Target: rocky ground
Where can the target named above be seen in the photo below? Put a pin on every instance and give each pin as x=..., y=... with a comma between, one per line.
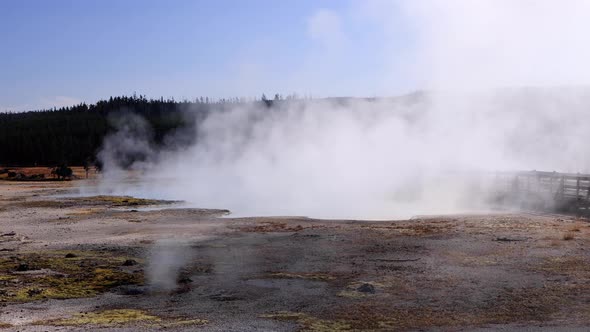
x=109, y=263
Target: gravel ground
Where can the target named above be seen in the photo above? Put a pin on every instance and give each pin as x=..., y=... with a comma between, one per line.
x=202, y=272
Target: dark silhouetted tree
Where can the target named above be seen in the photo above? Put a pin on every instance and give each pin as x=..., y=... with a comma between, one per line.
x=62, y=172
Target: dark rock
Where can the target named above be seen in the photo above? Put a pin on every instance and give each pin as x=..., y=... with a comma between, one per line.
x=22, y=267
x=506, y=239
x=224, y=297
x=129, y=262
x=132, y=290
x=366, y=288
x=185, y=280
x=70, y=255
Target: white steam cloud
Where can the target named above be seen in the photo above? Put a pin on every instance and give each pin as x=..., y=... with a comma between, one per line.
x=506, y=82
x=167, y=258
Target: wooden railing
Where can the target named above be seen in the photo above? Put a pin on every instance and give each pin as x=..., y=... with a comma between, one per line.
x=549, y=191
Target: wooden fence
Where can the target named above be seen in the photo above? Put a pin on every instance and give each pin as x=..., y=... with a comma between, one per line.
x=547, y=191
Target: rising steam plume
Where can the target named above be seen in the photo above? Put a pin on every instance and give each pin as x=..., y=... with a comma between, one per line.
x=505, y=86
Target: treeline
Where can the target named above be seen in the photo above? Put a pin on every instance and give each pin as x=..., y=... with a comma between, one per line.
x=73, y=135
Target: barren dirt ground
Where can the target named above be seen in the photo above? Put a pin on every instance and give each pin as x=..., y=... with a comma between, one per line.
x=85, y=264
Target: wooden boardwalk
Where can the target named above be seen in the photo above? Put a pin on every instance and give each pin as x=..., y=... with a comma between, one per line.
x=545, y=191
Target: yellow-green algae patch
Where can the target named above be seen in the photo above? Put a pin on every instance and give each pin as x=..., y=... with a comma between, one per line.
x=5, y=325
x=310, y=323
x=302, y=275
x=28, y=277
x=86, y=211
x=126, y=200
x=112, y=201
x=121, y=317
x=108, y=317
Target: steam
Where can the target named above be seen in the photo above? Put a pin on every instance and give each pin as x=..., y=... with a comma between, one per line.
x=505, y=91
x=167, y=258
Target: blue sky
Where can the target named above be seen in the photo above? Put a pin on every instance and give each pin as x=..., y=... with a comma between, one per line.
x=58, y=52
x=61, y=52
